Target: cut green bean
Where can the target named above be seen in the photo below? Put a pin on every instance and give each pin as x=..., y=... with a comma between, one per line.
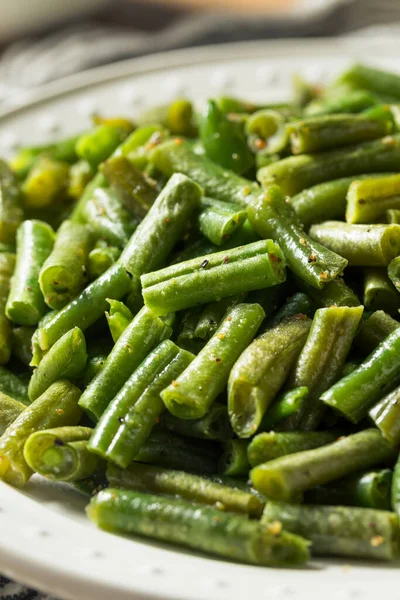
x=25, y=304
x=212, y=314
x=127, y=422
x=379, y=291
x=176, y=116
x=11, y=213
x=361, y=245
x=368, y=489
x=118, y=318
x=101, y=259
x=25, y=159
x=61, y=453
x=394, y=272
x=335, y=293
x=288, y=404
x=322, y=358
x=371, y=79
x=260, y=372
x=347, y=101
x=87, y=308
x=267, y=132
x=46, y=184
x=196, y=526
x=62, y=276
x=396, y=488
x=287, y=476
x=219, y=220
x=13, y=386
x=268, y=446
x=192, y=393
x=369, y=199
x=176, y=156
x=233, y=460
x=374, y=330
x=97, y=144
x=214, y=276
x=379, y=374
x=106, y=216
x=339, y=530
x=143, y=333
x=272, y=216
x=65, y=360
x=7, y=264
x=386, y=416
x=296, y=173
x=168, y=482
x=80, y=174
x=10, y=409
x=214, y=425
x=58, y=406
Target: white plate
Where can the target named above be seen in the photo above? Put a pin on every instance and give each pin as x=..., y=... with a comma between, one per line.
x=45, y=539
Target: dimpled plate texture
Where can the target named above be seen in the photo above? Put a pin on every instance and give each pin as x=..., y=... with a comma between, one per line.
x=46, y=540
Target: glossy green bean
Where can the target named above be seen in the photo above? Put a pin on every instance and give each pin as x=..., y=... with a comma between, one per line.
x=192, y=393
x=369, y=199
x=386, y=416
x=287, y=476
x=272, y=216
x=361, y=245
x=58, y=406
x=296, y=173
x=87, y=308
x=288, y=404
x=261, y=370
x=267, y=132
x=25, y=304
x=101, y=259
x=379, y=374
x=143, y=333
x=219, y=220
x=97, y=145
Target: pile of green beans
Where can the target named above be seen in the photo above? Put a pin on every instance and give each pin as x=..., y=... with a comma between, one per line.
x=199, y=312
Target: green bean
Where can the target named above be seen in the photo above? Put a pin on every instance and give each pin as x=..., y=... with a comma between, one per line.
x=80, y=174
x=325, y=201
x=25, y=304
x=196, y=526
x=261, y=370
x=136, y=192
x=61, y=453
x=143, y=333
x=176, y=116
x=379, y=291
x=285, y=477
x=321, y=360
x=127, y=422
x=265, y=447
x=378, y=375
x=10, y=409
x=335, y=293
x=212, y=314
x=316, y=134
x=296, y=173
x=11, y=214
x=192, y=393
x=233, y=460
x=339, y=530
x=371, y=79
x=176, y=156
x=101, y=259
x=347, y=101
x=272, y=216
x=385, y=414
x=97, y=145
x=25, y=159
x=219, y=220
x=21, y=343
x=374, y=330
x=56, y=407
x=396, y=488
x=65, y=360
x=367, y=489
x=13, y=386
x=361, y=245
x=214, y=276
x=87, y=308
x=62, y=276
x=267, y=132
x=393, y=216
x=168, y=482
x=118, y=317
x=108, y=218
x=161, y=228
x=394, y=271
x=177, y=452
x=369, y=199
x=7, y=263
x=213, y=426
x=94, y=365
x=297, y=304
x=46, y=183
x=37, y=352
x=288, y=404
